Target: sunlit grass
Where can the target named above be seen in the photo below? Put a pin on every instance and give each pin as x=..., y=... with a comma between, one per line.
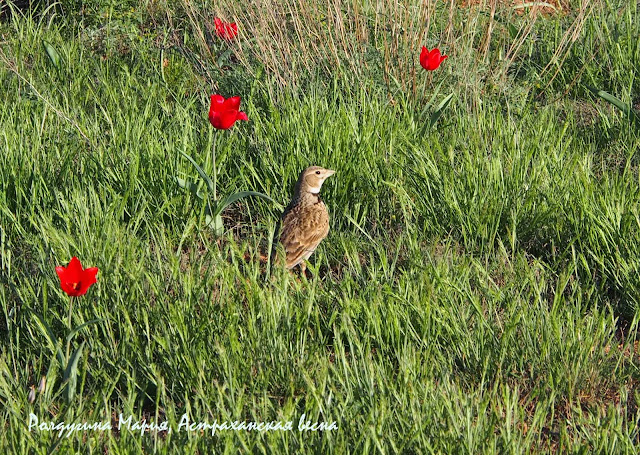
x=477, y=293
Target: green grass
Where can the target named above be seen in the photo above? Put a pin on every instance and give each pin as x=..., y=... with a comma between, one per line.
x=479, y=291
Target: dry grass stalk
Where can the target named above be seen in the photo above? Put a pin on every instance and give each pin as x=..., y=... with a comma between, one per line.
x=298, y=39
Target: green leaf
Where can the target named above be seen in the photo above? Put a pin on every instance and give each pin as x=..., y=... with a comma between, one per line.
x=71, y=373
x=437, y=113
x=626, y=108
x=201, y=171
x=192, y=187
x=80, y=327
x=223, y=59
x=52, y=53
x=212, y=208
x=240, y=195
x=434, y=93
x=215, y=222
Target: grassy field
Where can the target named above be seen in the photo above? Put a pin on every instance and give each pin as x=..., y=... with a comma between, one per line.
x=479, y=290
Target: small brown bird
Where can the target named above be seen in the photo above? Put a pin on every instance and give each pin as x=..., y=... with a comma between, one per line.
x=305, y=221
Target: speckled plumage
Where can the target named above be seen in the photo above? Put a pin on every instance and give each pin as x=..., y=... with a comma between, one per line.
x=305, y=221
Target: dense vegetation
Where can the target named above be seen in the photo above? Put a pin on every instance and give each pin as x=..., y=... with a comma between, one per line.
x=479, y=291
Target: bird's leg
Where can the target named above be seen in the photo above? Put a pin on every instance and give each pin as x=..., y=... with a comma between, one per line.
x=303, y=268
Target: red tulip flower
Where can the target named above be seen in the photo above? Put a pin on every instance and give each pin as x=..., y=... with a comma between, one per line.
x=74, y=280
x=226, y=30
x=223, y=113
x=430, y=60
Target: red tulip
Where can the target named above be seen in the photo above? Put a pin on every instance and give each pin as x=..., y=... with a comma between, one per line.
x=74, y=280
x=223, y=113
x=226, y=30
x=430, y=60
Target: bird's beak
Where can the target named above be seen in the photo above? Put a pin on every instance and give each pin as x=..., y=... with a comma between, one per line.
x=330, y=172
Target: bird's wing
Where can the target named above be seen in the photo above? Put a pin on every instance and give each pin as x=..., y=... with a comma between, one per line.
x=302, y=231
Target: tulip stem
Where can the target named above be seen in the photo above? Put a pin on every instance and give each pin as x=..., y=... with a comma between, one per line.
x=70, y=308
x=215, y=169
x=69, y=324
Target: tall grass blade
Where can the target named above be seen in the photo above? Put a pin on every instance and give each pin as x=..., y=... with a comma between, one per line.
x=82, y=326
x=48, y=333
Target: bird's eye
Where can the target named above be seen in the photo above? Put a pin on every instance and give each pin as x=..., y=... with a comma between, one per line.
x=318, y=172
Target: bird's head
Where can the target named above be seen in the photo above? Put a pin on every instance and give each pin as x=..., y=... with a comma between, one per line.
x=312, y=178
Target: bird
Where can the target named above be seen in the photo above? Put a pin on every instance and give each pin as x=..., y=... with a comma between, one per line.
x=305, y=221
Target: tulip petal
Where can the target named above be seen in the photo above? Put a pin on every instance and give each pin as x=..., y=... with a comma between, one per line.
x=424, y=57
x=232, y=103
x=75, y=281
x=228, y=118
x=231, y=30
x=223, y=113
x=214, y=119
x=225, y=30
x=60, y=271
x=88, y=279
x=68, y=289
x=217, y=101
x=217, y=105
x=74, y=270
x=90, y=274
x=431, y=59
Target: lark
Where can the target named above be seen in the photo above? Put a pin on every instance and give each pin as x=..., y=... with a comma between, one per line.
x=305, y=221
